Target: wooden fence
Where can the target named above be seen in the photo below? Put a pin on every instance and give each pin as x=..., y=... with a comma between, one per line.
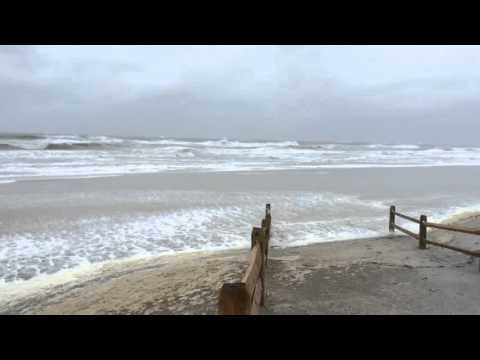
x=422, y=232
x=247, y=296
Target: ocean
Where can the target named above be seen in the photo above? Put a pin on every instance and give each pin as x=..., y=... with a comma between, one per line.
x=33, y=156
x=72, y=202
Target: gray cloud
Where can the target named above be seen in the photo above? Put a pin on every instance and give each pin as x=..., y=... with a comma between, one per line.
x=17, y=56
x=273, y=92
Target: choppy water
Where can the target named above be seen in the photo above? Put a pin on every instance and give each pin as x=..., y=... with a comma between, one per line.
x=27, y=156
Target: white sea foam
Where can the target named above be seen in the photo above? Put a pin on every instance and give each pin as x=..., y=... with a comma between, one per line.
x=454, y=212
x=24, y=255
x=239, y=144
x=69, y=244
x=398, y=147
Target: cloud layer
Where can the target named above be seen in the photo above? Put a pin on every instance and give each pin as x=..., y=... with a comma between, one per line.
x=406, y=94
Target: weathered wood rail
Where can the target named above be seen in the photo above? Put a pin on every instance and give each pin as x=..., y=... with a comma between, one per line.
x=248, y=296
x=422, y=232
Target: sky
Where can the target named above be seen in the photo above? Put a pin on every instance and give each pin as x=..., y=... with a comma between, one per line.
x=384, y=94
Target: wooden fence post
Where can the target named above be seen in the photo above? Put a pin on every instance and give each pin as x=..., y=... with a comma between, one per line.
x=268, y=217
x=422, y=240
x=259, y=236
x=253, y=238
x=247, y=296
x=268, y=225
x=234, y=300
x=391, y=224
x=264, y=226
x=262, y=280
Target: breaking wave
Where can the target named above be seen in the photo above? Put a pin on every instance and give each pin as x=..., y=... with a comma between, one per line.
x=9, y=147
x=22, y=137
x=77, y=146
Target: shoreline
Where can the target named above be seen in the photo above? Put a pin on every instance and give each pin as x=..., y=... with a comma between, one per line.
x=347, y=168
x=46, y=285
x=41, y=282
x=297, y=278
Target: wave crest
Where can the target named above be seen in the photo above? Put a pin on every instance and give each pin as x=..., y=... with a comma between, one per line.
x=10, y=147
x=77, y=146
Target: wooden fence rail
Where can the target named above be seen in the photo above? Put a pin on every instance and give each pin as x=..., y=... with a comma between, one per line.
x=247, y=296
x=422, y=232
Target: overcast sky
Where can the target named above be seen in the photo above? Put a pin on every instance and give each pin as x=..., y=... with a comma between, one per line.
x=395, y=94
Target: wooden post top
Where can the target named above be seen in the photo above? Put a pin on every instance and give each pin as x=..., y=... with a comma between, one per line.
x=234, y=300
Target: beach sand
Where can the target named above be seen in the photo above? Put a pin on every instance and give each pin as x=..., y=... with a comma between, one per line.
x=386, y=275
x=377, y=276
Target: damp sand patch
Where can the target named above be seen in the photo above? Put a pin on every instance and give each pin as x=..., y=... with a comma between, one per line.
x=175, y=284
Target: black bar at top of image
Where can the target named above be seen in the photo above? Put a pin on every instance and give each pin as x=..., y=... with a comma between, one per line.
x=239, y=25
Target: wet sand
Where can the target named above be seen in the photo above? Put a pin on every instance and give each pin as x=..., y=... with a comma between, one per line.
x=383, y=276
x=179, y=284
x=386, y=275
